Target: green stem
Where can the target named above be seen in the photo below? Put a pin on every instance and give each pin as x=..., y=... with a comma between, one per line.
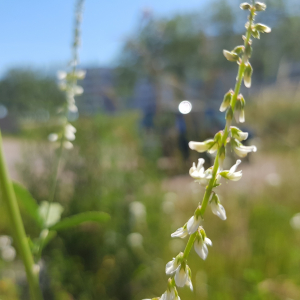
x=211, y=183
x=18, y=228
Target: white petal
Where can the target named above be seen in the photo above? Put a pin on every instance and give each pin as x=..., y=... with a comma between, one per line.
x=201, y=161
x=235, y=176
x=180, y=232
x=214, y=148
x=68, y=145
x=61, y=75
x=52, y=137
x=171, y=266
x=218, y=210
x=207, y=241
x=199, y=248
x=180, y=277
x=234, y=167
x=242, y=116
x=199, y=146
x=193, y=224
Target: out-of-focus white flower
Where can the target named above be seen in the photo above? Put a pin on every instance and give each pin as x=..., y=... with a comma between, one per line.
x=295, y=221
x=181, y=232
x=193, y=224
x=80, y=74
x=72, y=108
x=78, y=90
x=68, y=145
x=238, y=134
x=61, y=75
x=217, y=208
x=138, y=210
x=5, y=241
x=8, y=253
x=231, y=174
x=52, y=137
x=201, y=243
x=135, y=240
x=210, y=145
x=240, y=149
x=70, y=131
x=199, y=174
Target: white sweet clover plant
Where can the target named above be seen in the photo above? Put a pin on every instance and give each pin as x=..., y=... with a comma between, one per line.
x=233, y=105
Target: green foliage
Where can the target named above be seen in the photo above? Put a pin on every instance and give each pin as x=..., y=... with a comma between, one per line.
x=78, y=219
x=27, y=92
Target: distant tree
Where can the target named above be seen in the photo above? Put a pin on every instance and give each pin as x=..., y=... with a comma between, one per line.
x=23, y=91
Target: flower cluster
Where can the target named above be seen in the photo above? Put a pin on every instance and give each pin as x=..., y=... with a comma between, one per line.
x=68, y=84
x=233, y=105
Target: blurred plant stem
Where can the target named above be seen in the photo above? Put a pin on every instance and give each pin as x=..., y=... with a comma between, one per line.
x=20, y=237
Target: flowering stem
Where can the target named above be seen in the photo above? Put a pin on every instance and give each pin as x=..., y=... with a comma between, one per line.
x=211, y=183
x=9, y=198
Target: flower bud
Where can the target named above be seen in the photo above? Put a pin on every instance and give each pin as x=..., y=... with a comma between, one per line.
x=255, y=33
x=248, y=50
x=218, y=137
x=238, y=49
x=247, y=75
x=217, y=208
x=226, y=100
x=239, y=112
x=228, y=117
x=262, y=28
x=259, y=6
x=238, y=134
x=231, y=56
x=245, y=6
x=222, y=154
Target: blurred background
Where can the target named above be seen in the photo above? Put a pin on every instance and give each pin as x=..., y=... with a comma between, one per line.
x=131, y=155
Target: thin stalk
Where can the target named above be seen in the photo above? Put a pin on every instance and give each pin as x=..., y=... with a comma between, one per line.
x=9, y=198
x=211, y=183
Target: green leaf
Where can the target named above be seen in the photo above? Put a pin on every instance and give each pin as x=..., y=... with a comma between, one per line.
x=50, y=213
x=27, y=201
x=91, y=216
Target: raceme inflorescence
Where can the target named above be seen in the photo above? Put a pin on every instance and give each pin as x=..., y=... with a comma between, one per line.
x=233, y=105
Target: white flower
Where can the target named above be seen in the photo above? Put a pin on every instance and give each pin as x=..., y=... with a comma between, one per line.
x=199, y=174
x=231, y=174
x=52, y=137
x=193, y=224
x=240, y=149
x=226, y=100
x=68, y=145
x=189, y=279
x=201, y=243
x=70, y=132
x=181, y=275
x=78, y=90
x=202, y=146
x=61, y=75
x=168, y=295
x=172, y=266
x=217, y=208
x=180, y=232
x=238, y=134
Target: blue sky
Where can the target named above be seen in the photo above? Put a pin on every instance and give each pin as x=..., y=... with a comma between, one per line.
x=38, y=33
